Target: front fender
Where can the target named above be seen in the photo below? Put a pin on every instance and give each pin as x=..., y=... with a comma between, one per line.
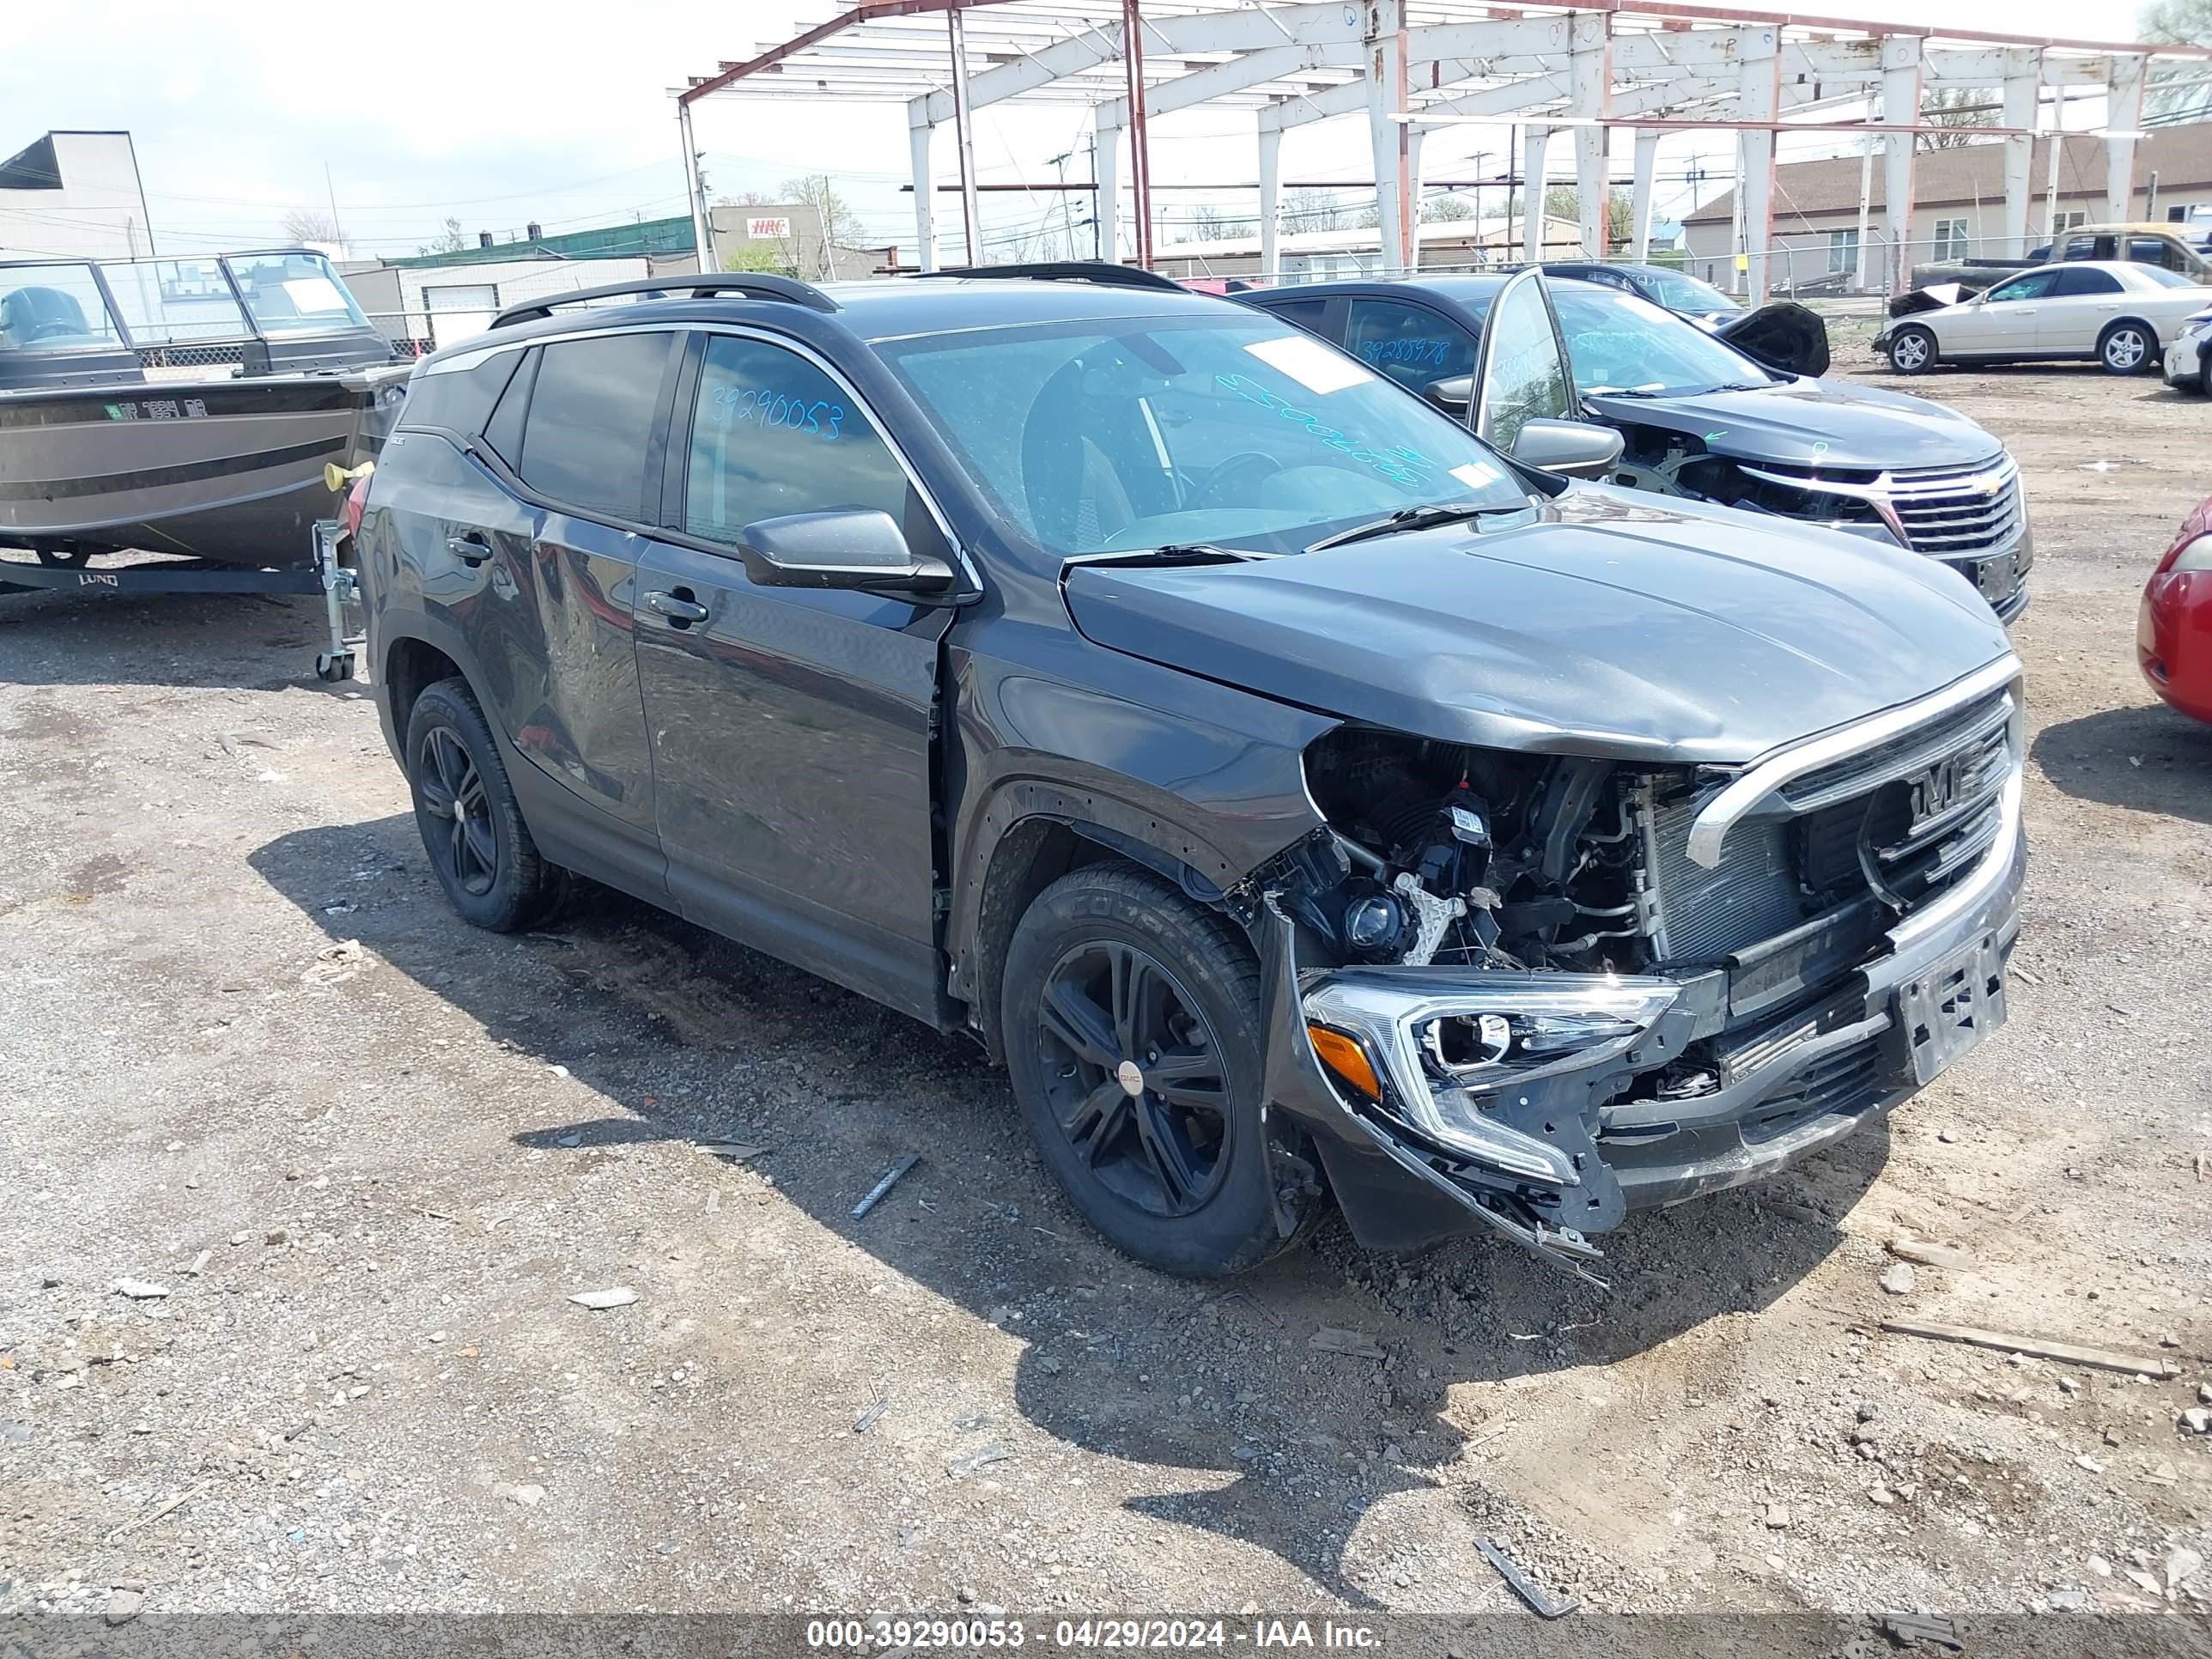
x=1209, y=779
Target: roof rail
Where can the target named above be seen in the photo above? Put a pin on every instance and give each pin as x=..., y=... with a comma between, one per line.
x=1070, y=270
x=757, y=285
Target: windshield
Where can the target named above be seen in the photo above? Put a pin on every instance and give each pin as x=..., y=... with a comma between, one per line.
x=1130, y=433
x=174, y=301
x=1619, y=343
x=53, y=308
x=1679, y=293
x=295, y=293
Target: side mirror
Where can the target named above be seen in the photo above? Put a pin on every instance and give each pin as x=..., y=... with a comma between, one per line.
x=1452, y=396
x=855, y=547
x=1572, y=449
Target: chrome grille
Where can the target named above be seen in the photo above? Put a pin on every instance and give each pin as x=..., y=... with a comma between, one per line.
x=1951, y=510
x=1921, y=808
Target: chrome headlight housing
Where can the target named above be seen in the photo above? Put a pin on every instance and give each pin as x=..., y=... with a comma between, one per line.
x=1447, y=1049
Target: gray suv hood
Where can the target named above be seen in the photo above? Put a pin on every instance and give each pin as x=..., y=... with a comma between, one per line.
x=1813, y=423
x=1603, y=624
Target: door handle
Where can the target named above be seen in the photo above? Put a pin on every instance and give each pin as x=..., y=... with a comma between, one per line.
x=471, y=550
x=679, y=607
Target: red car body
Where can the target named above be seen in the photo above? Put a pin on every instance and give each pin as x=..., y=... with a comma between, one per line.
x=2173, y=630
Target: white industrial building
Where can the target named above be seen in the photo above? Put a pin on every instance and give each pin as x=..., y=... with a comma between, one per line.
x=74, y=195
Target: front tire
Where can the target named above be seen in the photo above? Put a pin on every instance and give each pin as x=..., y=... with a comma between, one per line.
x=1131, y=1018
x=472, y=829
x=2127, y=349
x=1912, y=350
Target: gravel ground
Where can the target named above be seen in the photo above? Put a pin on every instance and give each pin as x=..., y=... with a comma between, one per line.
x=369, y=1156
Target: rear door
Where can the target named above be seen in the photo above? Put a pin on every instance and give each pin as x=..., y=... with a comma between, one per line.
x=2082, y=301
x=582, y=427
x=793, y=730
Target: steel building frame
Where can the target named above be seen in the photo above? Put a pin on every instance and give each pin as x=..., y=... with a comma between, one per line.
x=1409, y=65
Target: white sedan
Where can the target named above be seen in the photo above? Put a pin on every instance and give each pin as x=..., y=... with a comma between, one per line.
x=2122, y=315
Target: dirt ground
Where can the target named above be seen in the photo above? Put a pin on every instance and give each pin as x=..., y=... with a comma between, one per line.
x=249, y=1056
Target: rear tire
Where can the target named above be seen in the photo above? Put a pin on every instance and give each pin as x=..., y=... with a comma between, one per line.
x=2127, y=349
x=471, y=826
x=1114, y=978
x=1912, y=350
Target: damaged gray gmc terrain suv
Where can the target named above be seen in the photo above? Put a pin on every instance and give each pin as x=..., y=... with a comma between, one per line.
x=1299, y=793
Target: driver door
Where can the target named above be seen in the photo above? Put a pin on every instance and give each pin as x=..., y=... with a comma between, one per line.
x=792, y=728
x=1522, y=372
x=2005, y=322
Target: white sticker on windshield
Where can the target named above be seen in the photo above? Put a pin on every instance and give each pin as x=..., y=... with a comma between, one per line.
x=313, y=293
x=1476, y=474
x=1310, y=363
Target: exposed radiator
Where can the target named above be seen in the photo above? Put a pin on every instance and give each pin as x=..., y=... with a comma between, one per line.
x=1703, y=914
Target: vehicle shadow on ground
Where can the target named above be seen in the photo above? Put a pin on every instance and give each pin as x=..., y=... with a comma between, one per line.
x=61, y=637
x=2147, y=759
x=1122, y=1363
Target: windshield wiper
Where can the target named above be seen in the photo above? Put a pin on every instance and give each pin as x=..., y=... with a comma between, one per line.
x=1424, y=516
x=1170, y=553
x=1738, y=386
x=1629, y=392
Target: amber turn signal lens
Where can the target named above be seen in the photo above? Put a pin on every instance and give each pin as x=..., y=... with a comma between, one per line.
x=1345, y=1057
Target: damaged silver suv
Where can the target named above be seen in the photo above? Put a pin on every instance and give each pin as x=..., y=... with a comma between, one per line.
x=1304, y=797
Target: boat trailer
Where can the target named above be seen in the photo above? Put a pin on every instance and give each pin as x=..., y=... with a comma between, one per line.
x=76, y=571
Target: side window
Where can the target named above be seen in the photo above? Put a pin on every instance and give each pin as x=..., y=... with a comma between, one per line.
x=1307, y=314
x=2080, y=247
x=592, y=417
x=772, y=435
x=502, y=433
x=1411, y=345
x=459, y=399
x=2083, y=280
x=2034, y=286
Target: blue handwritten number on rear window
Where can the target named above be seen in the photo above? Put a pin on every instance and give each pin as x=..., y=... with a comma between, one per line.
x=766, y=406
x=1415, y=350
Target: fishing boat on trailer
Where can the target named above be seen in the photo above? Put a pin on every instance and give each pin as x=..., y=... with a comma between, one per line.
x=186, y=406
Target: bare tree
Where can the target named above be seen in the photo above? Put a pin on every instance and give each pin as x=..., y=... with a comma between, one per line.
x=1310, y=209
x=306, y=225
x=1957, y=111
x=452, y=240
x=841, y=226
x=2189, y=22
x=1447, y=207
x=1211, y=224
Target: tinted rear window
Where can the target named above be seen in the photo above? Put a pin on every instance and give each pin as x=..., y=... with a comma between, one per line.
x=458, y=400
x=2086, y=282
x=592, y=417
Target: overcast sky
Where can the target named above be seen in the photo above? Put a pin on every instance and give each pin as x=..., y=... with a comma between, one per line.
x=561, y=113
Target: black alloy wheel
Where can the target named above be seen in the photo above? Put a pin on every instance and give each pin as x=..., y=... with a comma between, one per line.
x=1130, y=1018
x=453, y=792
x=1135, y=1078
x=481, y=850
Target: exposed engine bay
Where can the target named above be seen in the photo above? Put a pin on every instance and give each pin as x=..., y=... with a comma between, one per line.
x=1546, y=994
x=1466, y=856
x=1672, y=463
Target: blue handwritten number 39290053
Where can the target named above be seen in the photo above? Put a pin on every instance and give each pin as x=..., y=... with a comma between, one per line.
x=787, y=411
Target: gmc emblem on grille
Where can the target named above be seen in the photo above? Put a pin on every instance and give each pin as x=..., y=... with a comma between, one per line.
x=1938, y=788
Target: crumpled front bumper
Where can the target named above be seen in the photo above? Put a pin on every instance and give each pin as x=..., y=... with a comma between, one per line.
x=1936, y=991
